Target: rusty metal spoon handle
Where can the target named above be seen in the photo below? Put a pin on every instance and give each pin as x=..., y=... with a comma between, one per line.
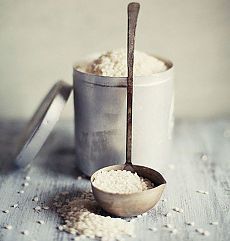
x=133, y=10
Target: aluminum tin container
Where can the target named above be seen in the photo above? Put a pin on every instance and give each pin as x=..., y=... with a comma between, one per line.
x=100, y=118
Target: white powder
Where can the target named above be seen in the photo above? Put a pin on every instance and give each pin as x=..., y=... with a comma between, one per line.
x=82, y=218
x=121, y=181
x=113, y=63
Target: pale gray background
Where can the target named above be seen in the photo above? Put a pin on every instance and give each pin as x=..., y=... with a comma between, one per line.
x=40, y=41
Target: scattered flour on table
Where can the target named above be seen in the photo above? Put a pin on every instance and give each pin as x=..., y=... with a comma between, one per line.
x=82, y=218
x=121, y=181
x=114, y=64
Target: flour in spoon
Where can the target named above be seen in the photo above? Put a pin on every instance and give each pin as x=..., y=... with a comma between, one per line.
x=121, y=181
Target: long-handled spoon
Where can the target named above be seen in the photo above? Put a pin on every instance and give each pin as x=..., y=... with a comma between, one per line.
x=127, y=205
x=133, y=10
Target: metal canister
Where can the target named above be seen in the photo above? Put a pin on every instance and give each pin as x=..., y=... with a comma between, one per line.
x=100, y=119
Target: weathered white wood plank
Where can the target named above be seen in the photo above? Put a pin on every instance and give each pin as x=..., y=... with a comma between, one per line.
x=54, y=171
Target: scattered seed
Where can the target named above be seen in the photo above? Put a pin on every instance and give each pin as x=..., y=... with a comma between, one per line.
x=25, y=232
x=21, y=191
x=5, y=211
x=190, y=223
x=35, y=199
x=168, y=226
x=79, y=177
x=168, y=214
x=204, y=157
x=40, y=222
x=80, y=218
x=67, y=222
x=206, y=233
x=202, y=192
x=176, y=209
x=14, y=205
x=56, y=197
x=60, y=227
x=27, y=178
x=46, y=207
x=38, y=208
x=75, y=238
x=25, y=184
x=71, y=230
x=199, y=230
x=214, y=223
x=164, y=200
x=179, y=210
x=173, y=231
x=57, y=204
x=152, y=229
x=8, y=226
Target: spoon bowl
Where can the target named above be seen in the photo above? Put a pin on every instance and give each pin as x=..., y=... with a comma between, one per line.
x=128, y=205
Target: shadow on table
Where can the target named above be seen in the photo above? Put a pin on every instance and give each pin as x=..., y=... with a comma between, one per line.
x=61, y=161
x=57, y=155
x=9, y=134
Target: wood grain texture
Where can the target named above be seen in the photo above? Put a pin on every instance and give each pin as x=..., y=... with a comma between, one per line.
x=54, y=171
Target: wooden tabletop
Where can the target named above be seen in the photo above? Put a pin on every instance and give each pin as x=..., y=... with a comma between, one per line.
x=198, y=185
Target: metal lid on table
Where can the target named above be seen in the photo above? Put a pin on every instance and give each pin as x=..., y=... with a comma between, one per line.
x=42, y=123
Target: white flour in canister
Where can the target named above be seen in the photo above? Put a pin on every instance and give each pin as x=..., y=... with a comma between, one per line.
x=82, y=218
x=121, y=181
x=114, y=64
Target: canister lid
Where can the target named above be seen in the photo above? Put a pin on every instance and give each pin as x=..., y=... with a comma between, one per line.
x=42, y=123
